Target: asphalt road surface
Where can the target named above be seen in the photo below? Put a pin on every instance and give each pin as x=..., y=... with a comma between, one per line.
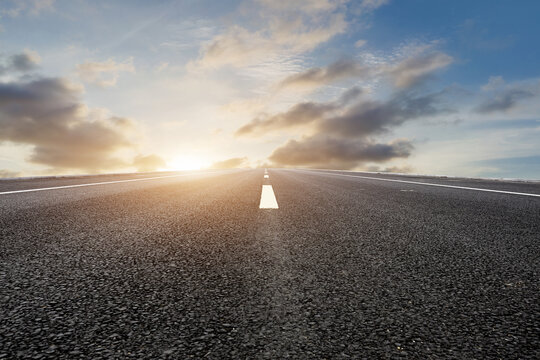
x=350, y=265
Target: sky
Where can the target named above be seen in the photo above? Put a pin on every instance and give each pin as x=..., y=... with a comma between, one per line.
x=418, y=86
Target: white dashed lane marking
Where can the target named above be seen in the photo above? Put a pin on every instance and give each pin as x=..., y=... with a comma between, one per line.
x=268, y=199
x=266, y=176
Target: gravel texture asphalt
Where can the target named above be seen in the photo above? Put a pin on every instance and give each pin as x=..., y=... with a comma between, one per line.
x=190, y=267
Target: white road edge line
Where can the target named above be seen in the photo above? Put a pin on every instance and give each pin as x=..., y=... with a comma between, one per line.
x=106, y=182
x=428, y=184
x=268, y=199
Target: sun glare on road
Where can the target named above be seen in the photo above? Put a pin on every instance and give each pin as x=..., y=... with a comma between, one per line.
x=187, y=163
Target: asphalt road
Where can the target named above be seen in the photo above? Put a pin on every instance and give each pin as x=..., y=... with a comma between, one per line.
x=347, y=267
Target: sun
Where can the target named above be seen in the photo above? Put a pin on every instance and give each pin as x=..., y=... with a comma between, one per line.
x=186, y=162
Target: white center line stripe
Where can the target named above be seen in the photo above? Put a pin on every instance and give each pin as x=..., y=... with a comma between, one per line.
x=268, y=199
x=431, y=184
x=104, y=183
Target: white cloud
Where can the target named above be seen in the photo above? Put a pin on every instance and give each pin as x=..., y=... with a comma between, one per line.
x=403, y=70
x=493, y=83
x=284, y=29
x=415, y=68
x=370, y=5
x=360, y=43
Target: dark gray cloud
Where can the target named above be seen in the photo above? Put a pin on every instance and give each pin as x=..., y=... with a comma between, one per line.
x=298, y=115
x=316, y=77
x=321, y=151
x=504, y=101
x=372, y=117
x=342, y=131
x=146, y=163
x=23, y=62
x=48, y=115
x=230, y=163
x=350, y=115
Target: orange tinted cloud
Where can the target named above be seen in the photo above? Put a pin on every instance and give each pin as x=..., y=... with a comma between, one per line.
x=231, y=163
x=48, y=114
x=146, y=163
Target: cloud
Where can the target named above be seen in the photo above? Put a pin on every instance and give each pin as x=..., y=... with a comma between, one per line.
x=493, y=83
x=37, y=6
x=370, y=5
x=322, y=151
x=230, y=163
x=315, y=77
x=298, y=115
x=8, y=174
x=341, y=133
x=48, y=114
x=360, y=43
x=147, y=163
x=23, y=62
x=104, y=74
x=418, y=63
x=351, y=115
x=369, y=117
x=238, y=46
x=283, y=29
x=415, y=68
x=504, y=101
